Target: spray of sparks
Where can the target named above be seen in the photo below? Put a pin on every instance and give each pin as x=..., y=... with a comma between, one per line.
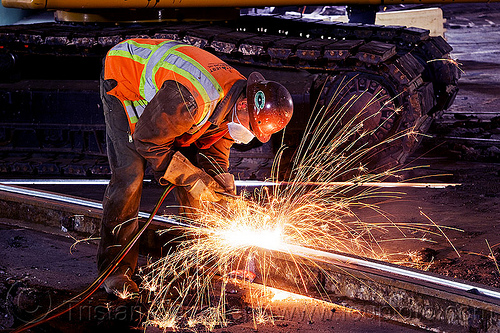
x=188, y=286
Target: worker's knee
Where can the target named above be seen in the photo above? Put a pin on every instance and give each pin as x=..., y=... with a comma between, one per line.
x=129, y=177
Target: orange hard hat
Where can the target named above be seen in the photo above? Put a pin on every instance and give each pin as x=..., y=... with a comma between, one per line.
x=270, y=106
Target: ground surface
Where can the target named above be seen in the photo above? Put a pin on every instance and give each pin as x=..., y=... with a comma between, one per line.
x=37, y=279
x=473, y=207
x=35, y=285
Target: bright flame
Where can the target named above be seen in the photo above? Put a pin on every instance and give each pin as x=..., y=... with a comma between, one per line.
x=247, y=236
x=281, y=295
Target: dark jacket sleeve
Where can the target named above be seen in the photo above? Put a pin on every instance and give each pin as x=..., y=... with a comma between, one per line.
x=169, y=114
x=215, y=160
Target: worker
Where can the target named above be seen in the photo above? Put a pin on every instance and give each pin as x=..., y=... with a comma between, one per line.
x=159, y=96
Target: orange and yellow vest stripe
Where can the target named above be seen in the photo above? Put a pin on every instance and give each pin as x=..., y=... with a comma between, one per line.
x=140, y=66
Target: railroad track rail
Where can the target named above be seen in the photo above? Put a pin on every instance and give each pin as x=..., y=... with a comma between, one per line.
x=401, y=294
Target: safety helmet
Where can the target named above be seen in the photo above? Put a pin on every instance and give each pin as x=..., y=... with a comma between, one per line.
x=270, y=106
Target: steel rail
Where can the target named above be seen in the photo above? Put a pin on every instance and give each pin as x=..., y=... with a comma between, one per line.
x=422, y=299
x=367, y=284
x=80, y=202
x=457, y=138
x=390, y=268
x=361, y=184
x=240, y=183
x=55, y=181
x=296, y=250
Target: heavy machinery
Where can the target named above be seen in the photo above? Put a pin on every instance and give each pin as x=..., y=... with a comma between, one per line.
x=51, y=121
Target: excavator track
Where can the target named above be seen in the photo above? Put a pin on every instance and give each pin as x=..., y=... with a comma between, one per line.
x=409, y=73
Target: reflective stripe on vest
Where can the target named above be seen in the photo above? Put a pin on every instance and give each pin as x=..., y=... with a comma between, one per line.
x=131, y=49
x=209, y=89
x=148, y=86
x=135, y=109
x=165, y=55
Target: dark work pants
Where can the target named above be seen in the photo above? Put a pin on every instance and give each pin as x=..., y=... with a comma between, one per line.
x=123, y=194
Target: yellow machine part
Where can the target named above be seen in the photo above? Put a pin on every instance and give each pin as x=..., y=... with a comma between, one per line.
x=158, y=4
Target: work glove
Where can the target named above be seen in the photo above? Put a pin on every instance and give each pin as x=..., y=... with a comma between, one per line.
x=198, y=184
x=226, y=180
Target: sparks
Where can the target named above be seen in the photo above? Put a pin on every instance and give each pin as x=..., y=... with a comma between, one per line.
x=190, y=281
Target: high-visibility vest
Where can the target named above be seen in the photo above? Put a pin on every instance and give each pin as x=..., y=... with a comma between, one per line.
x=140, y=66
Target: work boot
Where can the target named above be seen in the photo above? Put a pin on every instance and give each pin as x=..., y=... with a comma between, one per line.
x=121, y=285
